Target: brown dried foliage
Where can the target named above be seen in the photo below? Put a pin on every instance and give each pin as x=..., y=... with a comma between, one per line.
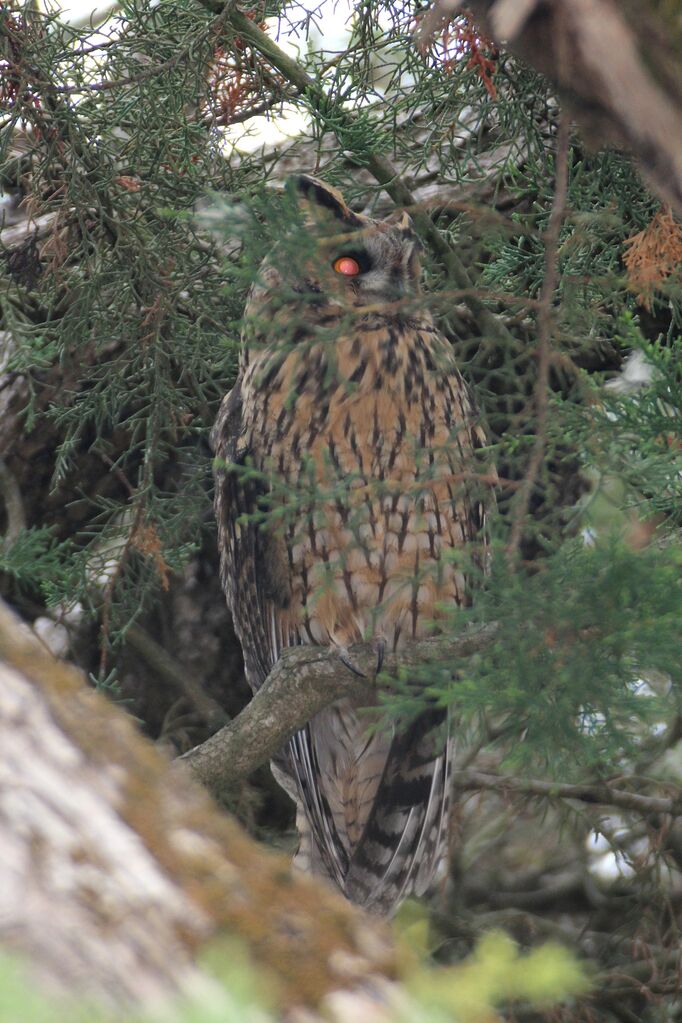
x=146, y=540
x=654, y=256
x=17, y=84
x=236, y=80
x=458, y=39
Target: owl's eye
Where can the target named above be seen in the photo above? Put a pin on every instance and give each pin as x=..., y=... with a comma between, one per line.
x=347, y=265
x=353, y=263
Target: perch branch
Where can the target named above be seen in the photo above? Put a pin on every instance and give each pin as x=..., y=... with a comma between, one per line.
x=304, y=681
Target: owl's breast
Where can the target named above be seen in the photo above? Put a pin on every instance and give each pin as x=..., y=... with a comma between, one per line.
x=365, y=444
x=366, y=392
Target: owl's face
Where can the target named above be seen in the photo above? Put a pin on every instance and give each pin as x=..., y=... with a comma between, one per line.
x=358, y=261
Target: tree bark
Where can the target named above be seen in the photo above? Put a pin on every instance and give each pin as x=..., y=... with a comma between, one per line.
x=303, y=682
x=115, y=868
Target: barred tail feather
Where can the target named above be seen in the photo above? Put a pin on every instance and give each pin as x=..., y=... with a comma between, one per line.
x=324, y=837
x=405, y=833
x=405, y=838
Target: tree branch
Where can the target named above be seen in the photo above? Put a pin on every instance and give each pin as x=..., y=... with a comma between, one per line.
x=545, y=325
x=304, y=681
x=167, y=667
x=115, y=871
x=602, y=795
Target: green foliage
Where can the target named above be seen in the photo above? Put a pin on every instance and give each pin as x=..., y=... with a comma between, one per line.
x=640, y=431
x=606, y=205
x=128, y=300
x=138, y=301
x=125, y=311
x=574, y=641
x=494, y=975
x=35, y=560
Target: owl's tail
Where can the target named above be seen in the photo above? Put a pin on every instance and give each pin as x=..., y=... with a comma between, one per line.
x=404, y=838
x=406, y=835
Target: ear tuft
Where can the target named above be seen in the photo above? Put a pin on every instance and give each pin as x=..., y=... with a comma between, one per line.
x=324, y=197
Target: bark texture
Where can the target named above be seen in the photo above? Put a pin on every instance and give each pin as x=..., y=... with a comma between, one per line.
x=303, y=682
x=115, y=869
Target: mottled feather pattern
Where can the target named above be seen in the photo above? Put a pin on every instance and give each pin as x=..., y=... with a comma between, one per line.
x=344, y=454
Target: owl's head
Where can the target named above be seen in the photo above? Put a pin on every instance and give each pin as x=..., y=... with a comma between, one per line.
x=360, y=260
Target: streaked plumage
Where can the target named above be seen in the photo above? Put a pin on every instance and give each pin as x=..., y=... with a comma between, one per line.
x=343, y=453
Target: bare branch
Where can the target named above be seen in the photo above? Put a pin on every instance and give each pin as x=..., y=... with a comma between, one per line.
x=603, y=795
x=160, y=661
x=545, y=324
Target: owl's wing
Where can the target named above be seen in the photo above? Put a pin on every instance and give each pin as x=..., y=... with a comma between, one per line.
x=253, y=560
x=255, y=577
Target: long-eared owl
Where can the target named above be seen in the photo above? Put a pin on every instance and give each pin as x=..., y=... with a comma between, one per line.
x=344, y=505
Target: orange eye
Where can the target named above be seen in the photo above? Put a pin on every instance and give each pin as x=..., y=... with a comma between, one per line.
x=347, y=266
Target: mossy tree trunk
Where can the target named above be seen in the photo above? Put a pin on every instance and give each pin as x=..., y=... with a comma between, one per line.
x=115, y=868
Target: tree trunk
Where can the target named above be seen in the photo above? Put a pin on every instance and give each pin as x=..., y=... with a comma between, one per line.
x=115, y=867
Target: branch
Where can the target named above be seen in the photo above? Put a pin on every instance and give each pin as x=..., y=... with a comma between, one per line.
x=602, y=795
x=545, y=324
x=10, y=495
x=304, y=681
x=160, y=661
x=115, y=871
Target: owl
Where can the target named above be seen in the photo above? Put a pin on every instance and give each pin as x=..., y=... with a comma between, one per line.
x=346, y=513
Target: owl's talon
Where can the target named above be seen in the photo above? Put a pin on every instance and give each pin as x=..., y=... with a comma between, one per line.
x=345, y=660
x=381, y=654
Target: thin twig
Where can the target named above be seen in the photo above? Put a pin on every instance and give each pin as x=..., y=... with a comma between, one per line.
x=599, y=794
x=108, y=593
x=168, y=668
x=545, y=323
x=225, y=120
x=10, y=494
